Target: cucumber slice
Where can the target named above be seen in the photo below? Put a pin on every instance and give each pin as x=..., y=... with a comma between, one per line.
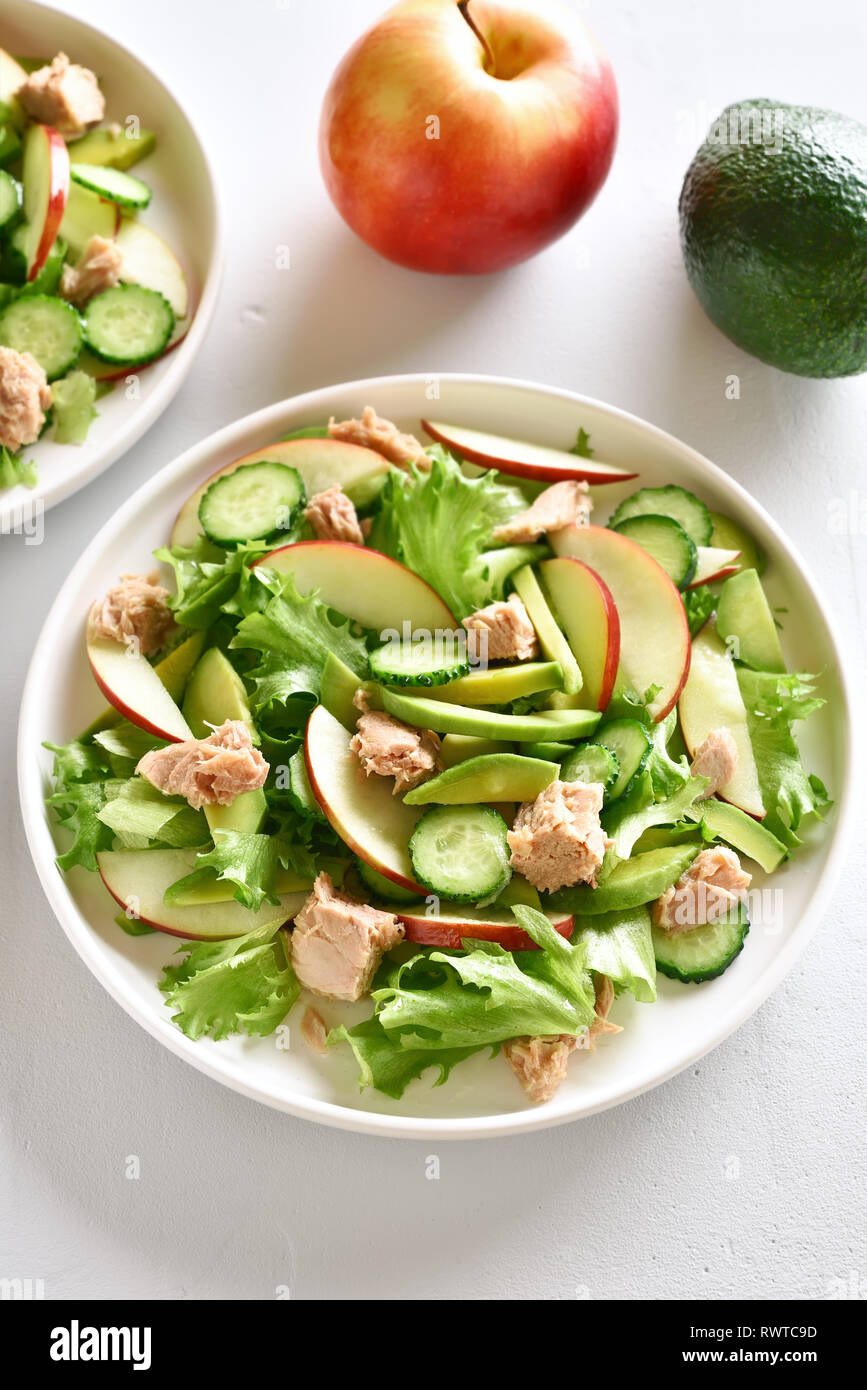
x=631, y=744
x=704, y=952
x=48, y=328
x=664, y=539
x=671, y=501
x=10, y=198
x=128, y=325
x=382, y=887
x=461, y=852
x=419, y=663
x=256, y=502
x=124, y=189
x=591, y=762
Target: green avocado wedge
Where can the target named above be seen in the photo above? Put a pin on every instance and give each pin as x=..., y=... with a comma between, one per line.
x=746, y=624
x=446, y=718
x=494, y=777
x=634, y=881
x=456, y=748
x=745, y=834
x=500, y=684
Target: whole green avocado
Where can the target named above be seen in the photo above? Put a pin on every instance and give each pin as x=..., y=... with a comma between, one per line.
x=773, y=227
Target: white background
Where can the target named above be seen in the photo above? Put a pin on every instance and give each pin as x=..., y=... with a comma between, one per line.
x=743, y=1176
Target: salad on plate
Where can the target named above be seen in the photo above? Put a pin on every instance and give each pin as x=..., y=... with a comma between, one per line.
x=417, y=744
x=88, y=292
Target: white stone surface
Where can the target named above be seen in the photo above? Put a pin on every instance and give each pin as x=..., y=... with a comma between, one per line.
x=743, y=1176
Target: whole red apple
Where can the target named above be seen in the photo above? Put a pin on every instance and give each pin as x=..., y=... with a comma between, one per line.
x=462, y=136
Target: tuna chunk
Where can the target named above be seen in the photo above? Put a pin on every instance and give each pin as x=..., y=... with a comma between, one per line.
x=386, y=747
x=600, y=1025
x=501, y=632
x=557, y=840
x=98, y=269
x=208, y=770
x=712, y=887
x=333, y=517
x=63, y=95
x=556, y=507
x=375, y=433
x=313, y=1031
x=540, y=1063
x=135, y=611
x=717, y=758
x=337, y=943
x=24, y=398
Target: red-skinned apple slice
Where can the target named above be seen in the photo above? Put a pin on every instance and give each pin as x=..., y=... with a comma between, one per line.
x=522, y=460
x=588, y=615
x=321, y=463
x=374, y=590
x=454, y=923
x=45, y=180
x=713, y=563
x=138, y=879
x=149, y=261
x=711, y=699
x=373, y=822
x=654, y=635
x=131, y=684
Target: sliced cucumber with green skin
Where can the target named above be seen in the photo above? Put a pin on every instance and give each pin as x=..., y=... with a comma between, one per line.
x=671, y=501
x=124, y=189
x=428, y=662
x=10, y=198
x=631, y=744
x=48, y=328
x=591, y=762
x=703, y=953
x=256, y=502
x=664, y=539
x=382, y=887
x=128, y=325
x=461, y=852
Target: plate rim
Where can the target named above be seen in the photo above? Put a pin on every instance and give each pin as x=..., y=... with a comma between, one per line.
x=188, y=348
x=37, y=828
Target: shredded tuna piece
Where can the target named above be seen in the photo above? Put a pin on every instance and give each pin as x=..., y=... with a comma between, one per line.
x=333, y=517
x=375, y=433
x=540, y=1063
x=135, y=611
x=314, y=1031
x=501, y=632
x=386, y=747
x=556, y=507
x=557, y=840
x=98, y=269
x=600, y=1025
x=24, y=398
x=208, y=770
x=711, y=888
x=717, y=758
x=63, y=95
x=337, y=943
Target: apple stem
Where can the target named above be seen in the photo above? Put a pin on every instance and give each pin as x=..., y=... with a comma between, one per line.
x=464, y=7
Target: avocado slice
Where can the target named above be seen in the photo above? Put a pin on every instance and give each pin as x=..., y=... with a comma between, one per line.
x=492, y=777
x=632, y=882
x=745, y=834
x=500, y=684
x=446, y=718
x=746, y=624
x=456, y=748
x=115, y=149
x=214, y=693
x=773, y=227
x=552, y=641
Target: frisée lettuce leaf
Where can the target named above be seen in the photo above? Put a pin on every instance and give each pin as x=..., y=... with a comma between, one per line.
x=245, y=985
x=774, y=703
x=386, y=1065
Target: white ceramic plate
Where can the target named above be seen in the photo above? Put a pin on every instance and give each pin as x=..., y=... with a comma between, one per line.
x=184, y=211
x=482, y=1097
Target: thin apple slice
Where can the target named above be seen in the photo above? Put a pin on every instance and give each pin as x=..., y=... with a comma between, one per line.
x=454, y=923
x=654, y=636
x=713, y=563
x=373, y=822
x=45, y=182
x=358, y=471
x=147, y=260
x=521, y=459
x=369, y=587
x=588, y=615
x=174, y=672
x=138, y=879
x=12, y=75
x=711, y=699
x=131, y=684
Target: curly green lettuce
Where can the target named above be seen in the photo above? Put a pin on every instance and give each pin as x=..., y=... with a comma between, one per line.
x=245, y=985
x=774, y=703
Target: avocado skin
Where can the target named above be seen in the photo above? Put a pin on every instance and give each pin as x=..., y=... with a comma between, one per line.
x=774, y=237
